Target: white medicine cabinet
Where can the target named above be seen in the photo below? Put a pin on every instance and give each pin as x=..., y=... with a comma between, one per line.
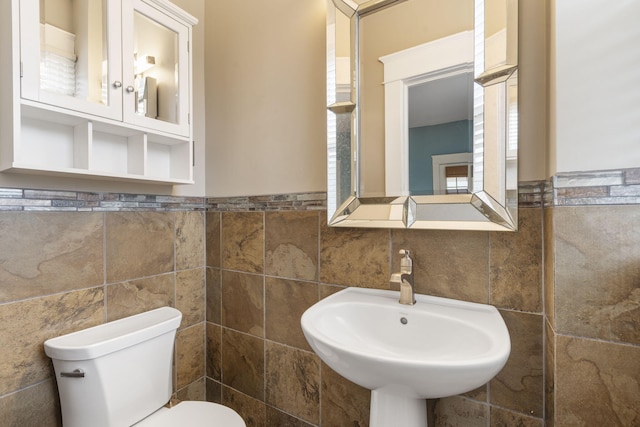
x=100, y=88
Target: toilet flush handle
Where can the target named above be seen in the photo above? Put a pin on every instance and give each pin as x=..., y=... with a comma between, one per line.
x=77, y=373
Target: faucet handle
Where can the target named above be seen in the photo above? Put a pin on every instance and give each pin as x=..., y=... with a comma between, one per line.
x=406, y=263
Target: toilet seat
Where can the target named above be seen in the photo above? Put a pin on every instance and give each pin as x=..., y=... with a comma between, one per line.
x=193, y=414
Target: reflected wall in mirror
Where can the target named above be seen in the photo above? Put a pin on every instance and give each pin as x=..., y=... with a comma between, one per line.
x=422, y=114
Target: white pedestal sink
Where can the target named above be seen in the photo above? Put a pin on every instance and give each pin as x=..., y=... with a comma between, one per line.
x=407, y=353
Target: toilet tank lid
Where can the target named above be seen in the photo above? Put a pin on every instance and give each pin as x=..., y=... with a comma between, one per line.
x=113, y=336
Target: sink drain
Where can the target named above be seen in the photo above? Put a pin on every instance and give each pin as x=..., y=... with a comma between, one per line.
x=404, y=320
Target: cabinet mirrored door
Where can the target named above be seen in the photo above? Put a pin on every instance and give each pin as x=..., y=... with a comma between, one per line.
x=156, y=76
x=122, y=60
x=71, y=55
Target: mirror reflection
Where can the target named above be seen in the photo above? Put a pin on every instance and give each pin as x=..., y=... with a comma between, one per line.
x=440, y=136
x=429, y=110
x=422, y=113
x=155, y=59
x=400, y=36
x=73, y=60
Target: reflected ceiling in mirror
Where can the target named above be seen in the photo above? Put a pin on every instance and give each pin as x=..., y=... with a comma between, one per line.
x=377, y=175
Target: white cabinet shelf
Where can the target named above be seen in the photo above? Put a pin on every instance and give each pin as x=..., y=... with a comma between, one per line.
x=113, y=136
x=55, y=142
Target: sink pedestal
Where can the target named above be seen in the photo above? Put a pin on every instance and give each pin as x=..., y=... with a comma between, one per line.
x=389, y=409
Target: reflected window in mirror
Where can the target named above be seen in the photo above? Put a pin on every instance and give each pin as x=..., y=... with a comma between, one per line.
x=457, y=179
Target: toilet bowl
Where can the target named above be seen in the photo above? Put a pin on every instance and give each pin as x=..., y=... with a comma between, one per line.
x=120, y=374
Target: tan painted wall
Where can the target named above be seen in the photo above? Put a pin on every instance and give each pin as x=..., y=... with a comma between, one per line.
x=265, y=93
x=265, y=97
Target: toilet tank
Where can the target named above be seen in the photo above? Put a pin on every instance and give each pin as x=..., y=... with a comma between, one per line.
x=117, y=373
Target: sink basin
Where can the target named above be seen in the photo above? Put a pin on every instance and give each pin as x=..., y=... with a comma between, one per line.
x=438, y=347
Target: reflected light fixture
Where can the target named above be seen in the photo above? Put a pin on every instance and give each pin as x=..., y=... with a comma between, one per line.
x=143, y=63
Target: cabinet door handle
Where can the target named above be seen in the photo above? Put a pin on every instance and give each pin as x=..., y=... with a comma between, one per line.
x=117, y=84
x=130, y=89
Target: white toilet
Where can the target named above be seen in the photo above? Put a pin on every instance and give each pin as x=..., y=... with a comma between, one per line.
x=119, y=374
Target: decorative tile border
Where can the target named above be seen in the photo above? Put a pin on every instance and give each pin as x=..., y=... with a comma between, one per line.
x=568, y=189
x=16, y=199
x=620, y=187
x=278, y=202
x=531, y=194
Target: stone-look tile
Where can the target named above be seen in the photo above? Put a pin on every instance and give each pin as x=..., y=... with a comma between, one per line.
x=190, y=240
x=516, y=264
x=243, y=302
x=214, y=354
x=189, y=355
x=632, y=176
x=190, y=300
x=354, y=257
x=549, y=266
x=48, y=253
x=326, y=290
x=26, y=325
x=457, y=411
x=212, y=242
x=450, y=264
x=291, y=244
x=251, y=410
x=214, y=295
x=138, y=244
x=136, y=296
x=293, y=381
x=343, y=403
x=193, y=391
x=579, y=192
x=597, y=272
x=242, y=246
x=479, y=393
x=549, y=377
x=597, y=383
x=519, y=386
x=502, y=418
x=34, y=406
x=431, y=406
x=243, y=363
x=286, y=300
x=214, y=391
x=280, y=419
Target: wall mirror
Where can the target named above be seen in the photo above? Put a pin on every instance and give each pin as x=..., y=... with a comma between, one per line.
x=422, y=116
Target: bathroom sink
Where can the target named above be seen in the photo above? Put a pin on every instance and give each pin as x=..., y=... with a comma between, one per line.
x=405, y=353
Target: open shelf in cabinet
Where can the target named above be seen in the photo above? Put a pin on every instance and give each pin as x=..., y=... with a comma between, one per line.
x=53, y=142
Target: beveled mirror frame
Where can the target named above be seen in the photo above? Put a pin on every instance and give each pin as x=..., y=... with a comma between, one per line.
x=493, y=202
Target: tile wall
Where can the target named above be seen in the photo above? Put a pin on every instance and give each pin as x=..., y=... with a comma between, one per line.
x=65, y=271
x=243, y=270
x=264, y=268
x=592, y=300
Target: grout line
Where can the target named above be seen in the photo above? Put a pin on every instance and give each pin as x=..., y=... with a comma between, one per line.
x=264, y=308
x=104, y=265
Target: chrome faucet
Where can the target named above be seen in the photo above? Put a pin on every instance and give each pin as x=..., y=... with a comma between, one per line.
x=405, y=279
